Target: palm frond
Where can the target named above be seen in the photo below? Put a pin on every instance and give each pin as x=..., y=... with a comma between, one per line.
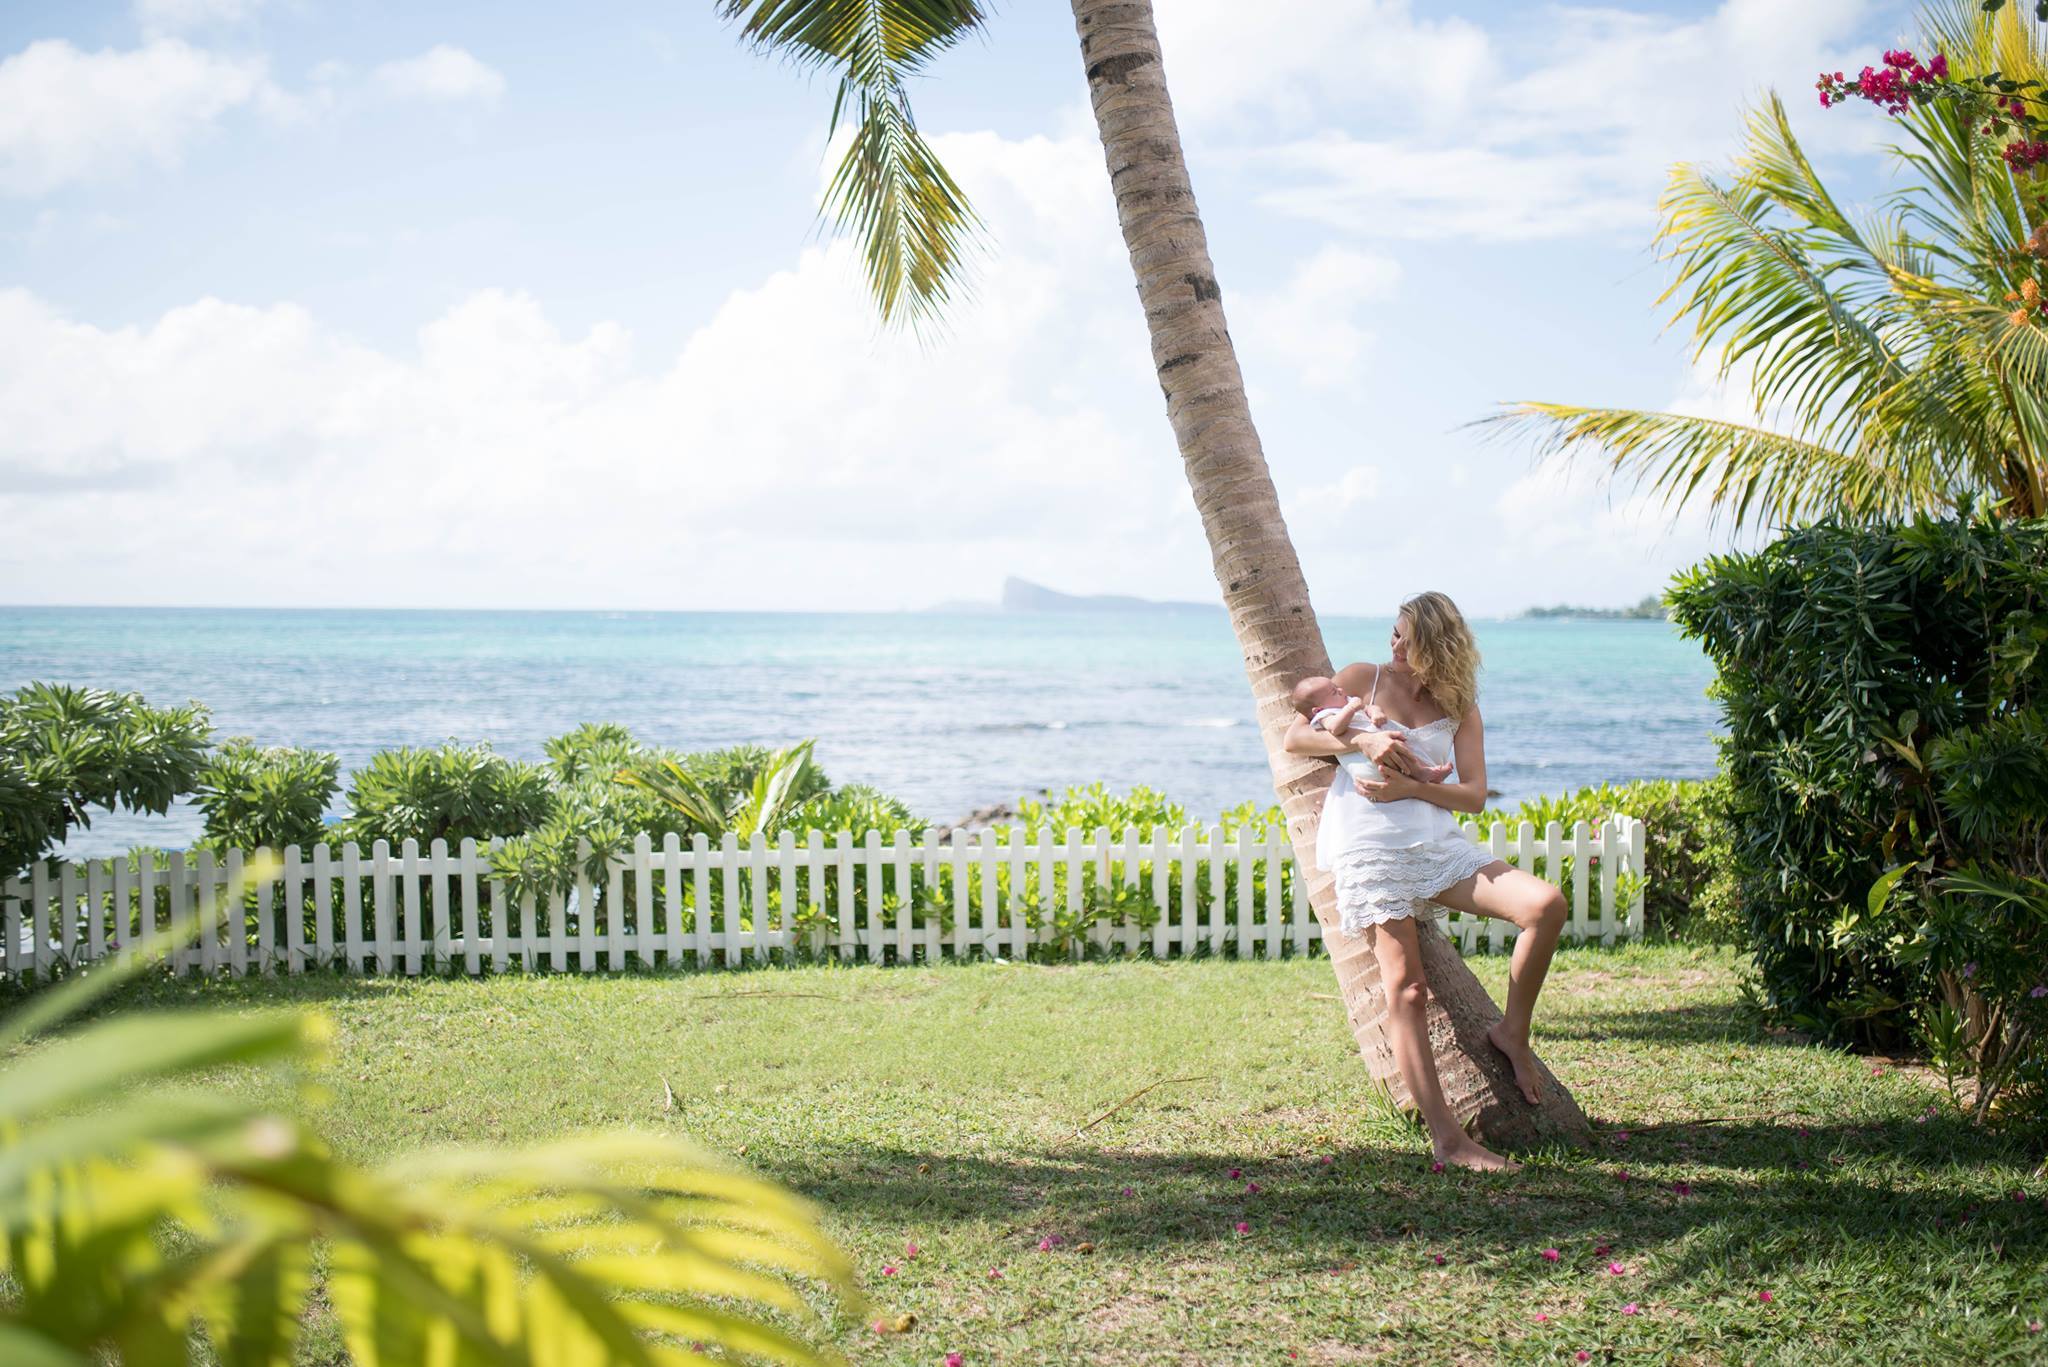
x=912, y=221
x=1737, y=469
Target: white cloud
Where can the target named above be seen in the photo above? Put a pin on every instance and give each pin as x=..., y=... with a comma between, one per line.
x=69, y=115
x=442, y=73
x=1309, y=327
x=166, y=16
x=1569, y=132
x=787, y=454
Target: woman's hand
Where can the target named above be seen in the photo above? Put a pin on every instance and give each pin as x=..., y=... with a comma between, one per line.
x=1392, y=788
x=1388, y=751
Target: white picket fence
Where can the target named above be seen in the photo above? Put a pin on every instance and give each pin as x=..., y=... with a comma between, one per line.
x=442, y=911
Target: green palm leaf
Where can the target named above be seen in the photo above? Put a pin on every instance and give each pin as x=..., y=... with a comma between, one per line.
x=911, y=219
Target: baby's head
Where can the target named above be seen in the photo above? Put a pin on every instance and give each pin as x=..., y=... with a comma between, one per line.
x=1315, y=693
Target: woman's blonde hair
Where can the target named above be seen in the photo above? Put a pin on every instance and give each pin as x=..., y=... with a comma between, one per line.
x=1442, y=651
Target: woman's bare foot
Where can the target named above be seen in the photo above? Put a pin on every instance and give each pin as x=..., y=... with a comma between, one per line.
x=1523, y=1059
x=1467, y=1152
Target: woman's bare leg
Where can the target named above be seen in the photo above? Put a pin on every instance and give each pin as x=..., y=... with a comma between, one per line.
x=1400, y=959
x=1536, y=908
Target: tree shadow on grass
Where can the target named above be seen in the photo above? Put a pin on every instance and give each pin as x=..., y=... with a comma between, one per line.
x=1382, y=1203
x=1701, y=1023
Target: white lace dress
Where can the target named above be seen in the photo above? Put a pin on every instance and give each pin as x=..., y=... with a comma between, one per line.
x=1391, y=858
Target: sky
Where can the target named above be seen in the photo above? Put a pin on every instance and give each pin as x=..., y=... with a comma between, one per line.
x=519, y=305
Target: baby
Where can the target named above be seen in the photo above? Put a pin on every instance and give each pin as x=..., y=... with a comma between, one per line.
x=1329, y=709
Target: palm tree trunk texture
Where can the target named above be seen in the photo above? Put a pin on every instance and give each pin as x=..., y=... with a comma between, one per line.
x=1256, y=565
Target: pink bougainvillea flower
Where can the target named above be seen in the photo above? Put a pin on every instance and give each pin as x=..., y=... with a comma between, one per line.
x=1583, y=1356
x=1623, y=1174
x=2039, y=992
x=1805, y=1133
x=1602, y=1250
x=1631, y=1309
x=1616, y=1270
x=1236, y=1173
x=2033, y=1326
x=1242, y=1227
x=1252, y=1188
x=995, y=1274
x=1045, y=1245
x=911, y=1250
x=1130, y=1191
x=888, y=1271
x=1681, y=1188
x=1439, y=1258
x=1542, y=1318
x=1765, y=1296
x=1621, y=1136
x=954, y=1360
x=1436, y=1167
x=1551, y=1255
x=881, y=1326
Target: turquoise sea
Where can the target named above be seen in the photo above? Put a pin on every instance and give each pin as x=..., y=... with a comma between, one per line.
x=950, y=712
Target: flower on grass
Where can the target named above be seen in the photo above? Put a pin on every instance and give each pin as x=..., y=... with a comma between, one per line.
x=889, y=1270
x=1584, y=1356
x=1439, y=1258
x=1602, y=1250
x=2039, y=990
x=1130, y=1191
x=1436, y=1166
x=1616, y=1270
x=1252, y=1188
x=1551, y=1255
x=1765, y=1297
x=1623, y=1175
x=1242, y=1227
x=995, y=1274
x=1049, y=1243
x=1631, y=1309
x=1236, y=1173
x=954, y=1360
x=1681, y=1188
x=911, y=1250
x=2033, y=1326
x=881, y=1326
x=1542, y=1318
x=1621, y=1136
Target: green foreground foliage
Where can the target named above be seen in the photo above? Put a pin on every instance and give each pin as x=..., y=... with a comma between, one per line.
x=995, y=1117
x=1887, y=762
x=193, y=1218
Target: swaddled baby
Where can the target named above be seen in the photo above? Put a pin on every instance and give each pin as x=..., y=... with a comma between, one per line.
x=1325, y=705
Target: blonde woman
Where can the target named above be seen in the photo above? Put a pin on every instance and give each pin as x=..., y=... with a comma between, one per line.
x=1392, y=843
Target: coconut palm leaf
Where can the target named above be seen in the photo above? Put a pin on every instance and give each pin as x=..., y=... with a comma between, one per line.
x=129, y=1228
x=1886, y=367
x=912, y=221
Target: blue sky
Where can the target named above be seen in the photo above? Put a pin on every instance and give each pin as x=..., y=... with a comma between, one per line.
x=519, y=305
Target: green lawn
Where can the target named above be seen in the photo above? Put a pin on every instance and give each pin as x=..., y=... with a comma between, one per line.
x=942, y=1106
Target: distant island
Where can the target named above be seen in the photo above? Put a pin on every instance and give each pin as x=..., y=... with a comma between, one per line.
x=1651, y=609
x=1021, y=595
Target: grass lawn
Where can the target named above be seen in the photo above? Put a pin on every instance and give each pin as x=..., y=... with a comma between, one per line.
x=942, y=1106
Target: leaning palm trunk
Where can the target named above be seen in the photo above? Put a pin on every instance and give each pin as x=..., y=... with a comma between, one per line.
x=1255, y=563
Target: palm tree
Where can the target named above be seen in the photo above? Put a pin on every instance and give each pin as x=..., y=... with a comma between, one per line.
x=1889, y=369
x=914, y=226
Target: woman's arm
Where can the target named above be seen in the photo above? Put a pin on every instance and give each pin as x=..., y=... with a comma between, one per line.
x=1468, y=794
x=1303, y=739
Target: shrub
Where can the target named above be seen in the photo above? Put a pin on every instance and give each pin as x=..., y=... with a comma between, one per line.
x=66, y=750
x=1883, y=688
x=451, y=792
x=273, y=795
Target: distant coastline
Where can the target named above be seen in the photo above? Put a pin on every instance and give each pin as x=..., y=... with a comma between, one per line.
x=1650, y=609
x=1021, y=595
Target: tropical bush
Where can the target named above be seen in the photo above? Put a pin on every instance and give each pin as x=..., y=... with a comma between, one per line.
x=450, y=792
x=66, y=750
x=126, y=1233
x=1884, y=690
x=1689, y=892
x=256, y=795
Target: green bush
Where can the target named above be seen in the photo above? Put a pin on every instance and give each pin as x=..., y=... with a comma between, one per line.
x=1690, y=891
x=451, y=792
x=271, y=795
x=1883, y=688
x=66, y=750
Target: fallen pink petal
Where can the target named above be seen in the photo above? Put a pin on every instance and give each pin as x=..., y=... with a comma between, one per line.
x=1436, y=1167
x=1631, y=1309
x=1129, y=1191
x=910, y=1250
x=1584, y=1356
x=1616, y=1269
x=955, y=1360
x=1681, y=1188
x=1242, y=1227
x=1252, y=1188
x=1439, y=1258
x=888, y=1271
x=1542, y=1318
x=1551, y=1255
x=995, y=1274
x=1236, y=1173
x=1764, y=1296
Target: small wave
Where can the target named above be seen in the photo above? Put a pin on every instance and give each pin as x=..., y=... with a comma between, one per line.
x=1217, y=723
x=1023, y=726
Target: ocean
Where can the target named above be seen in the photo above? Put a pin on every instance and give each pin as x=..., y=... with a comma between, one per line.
x=948, y=711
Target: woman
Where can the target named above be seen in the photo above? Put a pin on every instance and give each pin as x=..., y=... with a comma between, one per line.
x=1397, y=853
